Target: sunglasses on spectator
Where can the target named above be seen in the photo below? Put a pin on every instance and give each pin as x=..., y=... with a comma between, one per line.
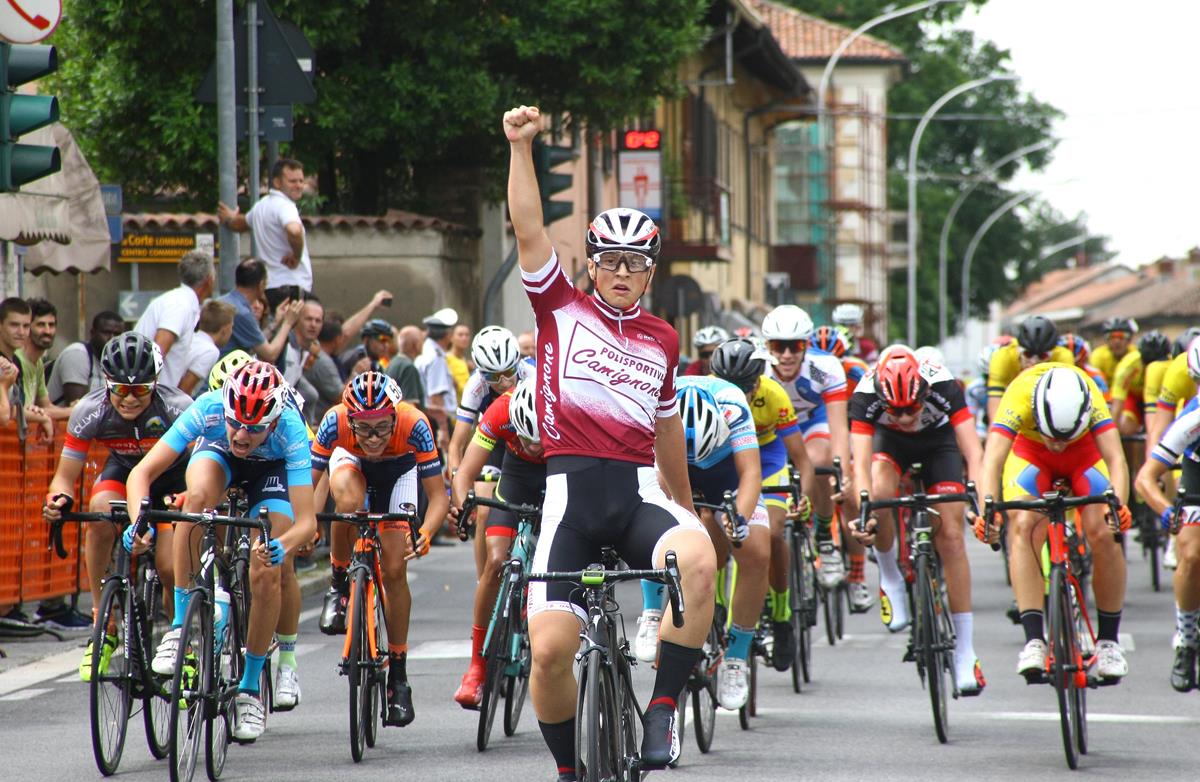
x=138, y=390
x=611, y=260
x=382, y=338
x=235, y=425
x=365, y=432
x=796, y=346
x=497, y=377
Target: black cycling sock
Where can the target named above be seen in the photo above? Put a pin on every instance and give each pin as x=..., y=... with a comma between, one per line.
x=1109, y=626
x=675, y=665
x=398, y=667
x=560, y=738
x=1034, y=623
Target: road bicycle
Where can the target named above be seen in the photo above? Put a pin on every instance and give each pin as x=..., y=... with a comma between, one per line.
x=506, y=645
x=607, y=717
x=931, y=634
x=1072, y=640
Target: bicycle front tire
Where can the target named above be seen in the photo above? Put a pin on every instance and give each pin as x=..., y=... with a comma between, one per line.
x=190, y=689
x=1064, y=651
x=156, y=706
x=359, y=673
x=930, y=643
x=110, y=694
x=495, y=661
x=595, y=721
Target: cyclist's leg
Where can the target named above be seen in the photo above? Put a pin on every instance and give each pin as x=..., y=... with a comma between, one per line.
x=266, y=487
x=348, y=488
x=100, y=536
x=1187, y=602
x=775, y=473
x=1023, y=479
x=885, y=482
x=753, y=558
x=1108, y=568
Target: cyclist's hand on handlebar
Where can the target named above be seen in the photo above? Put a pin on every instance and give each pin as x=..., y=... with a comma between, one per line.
x=988, y=533
x=134, y=544
x=740, y=529
x=804, y=508
x=422, y=545
x=865, y=535
x=1124, y=518
x=54, y=506
x=1167, y=518
x=272, y=554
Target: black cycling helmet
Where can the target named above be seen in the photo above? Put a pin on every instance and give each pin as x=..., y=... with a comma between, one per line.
x=1118, y=324
x=130, y=358
x=1154, y=346
x=738, y=361
x=1037, y=335
x=1183, y=340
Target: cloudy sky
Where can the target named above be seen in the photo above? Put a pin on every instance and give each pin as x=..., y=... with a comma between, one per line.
x=1127, y=76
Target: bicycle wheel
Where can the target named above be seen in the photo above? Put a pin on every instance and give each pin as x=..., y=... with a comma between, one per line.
x=495, y=661
x=751, y=707
x=628, y=745
x=930, y=648
x=190, y=689
x=376, y=693
x=229, y=662
x=356, y=668
x=156, y=706
x=595, y=721
x=703, y=685
x=1079, y=694
x=828, y=609
x=840, y=602
x=517, y=684
x=110, y=692
x=1063, y=651
x=801, y=628
x=1150, y=542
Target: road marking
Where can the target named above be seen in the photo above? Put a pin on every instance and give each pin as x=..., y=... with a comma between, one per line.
x=441, y=650
x=1120, y=719
x=26, y=694
x=311, y=613
x=51, y=667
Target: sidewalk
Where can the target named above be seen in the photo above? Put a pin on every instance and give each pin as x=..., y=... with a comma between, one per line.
x=23, y=651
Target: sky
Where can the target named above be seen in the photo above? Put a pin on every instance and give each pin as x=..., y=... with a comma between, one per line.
x=1126, y=77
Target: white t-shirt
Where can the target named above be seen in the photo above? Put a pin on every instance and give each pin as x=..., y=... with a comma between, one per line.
x=435, y=373
x=201, y=358
x=77, y=365
x=178, y=312
x=269, y=220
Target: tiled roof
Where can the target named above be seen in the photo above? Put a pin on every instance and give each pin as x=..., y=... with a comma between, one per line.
x=1168, y=297
x=805, y=37
x=1056, y=283
x=394, y=219
x=1092, y=295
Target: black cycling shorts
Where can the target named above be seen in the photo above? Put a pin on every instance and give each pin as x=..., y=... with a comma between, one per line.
x=521, y=483
x=936, y=450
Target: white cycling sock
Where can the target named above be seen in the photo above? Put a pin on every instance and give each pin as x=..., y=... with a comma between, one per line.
x=964, y=647
x=1186, y=625
x=891, y=580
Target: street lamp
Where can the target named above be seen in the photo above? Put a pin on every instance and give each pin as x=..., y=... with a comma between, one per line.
x=823, y=136
x=913, y=146
x=999, y=212
x=1073, y=241
x=944, y=242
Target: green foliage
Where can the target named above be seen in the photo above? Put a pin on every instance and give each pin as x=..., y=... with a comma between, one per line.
x=405, y=90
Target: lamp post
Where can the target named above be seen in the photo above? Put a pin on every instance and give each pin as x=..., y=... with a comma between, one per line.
x=991, y=219
x=913, y=146
x=1073, y=241
x=944, y=241
x=823, y=137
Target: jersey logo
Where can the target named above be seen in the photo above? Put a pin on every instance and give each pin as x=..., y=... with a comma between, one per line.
x=421, y=438
x=273, y=485
x=155, y=426
x=327, y=433
x=818, y=376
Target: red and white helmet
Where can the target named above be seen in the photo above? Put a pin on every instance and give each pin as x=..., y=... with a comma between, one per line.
x=898, y=380
x=623, y=229
x=255, y=394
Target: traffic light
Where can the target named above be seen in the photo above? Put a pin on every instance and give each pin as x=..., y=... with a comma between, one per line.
x=546, y=157
x=19, y=114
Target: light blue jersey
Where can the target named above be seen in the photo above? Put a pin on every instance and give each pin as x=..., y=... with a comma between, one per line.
x=204, y=421
x=732, y=403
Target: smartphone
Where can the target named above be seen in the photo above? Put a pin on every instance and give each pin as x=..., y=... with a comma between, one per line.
x=387, y=302
x=293, y=292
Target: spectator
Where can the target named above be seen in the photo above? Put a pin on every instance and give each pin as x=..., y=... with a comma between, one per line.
x=8, y=379
x=250, y=285
x=14, y=333
x=302, y=348
x=458, y=357
x=170, y=319
x=374, y=352
x=526, y=344
x=32, y=355
x=77, y=369
x=216, y=327
x=324, y=375
x=435, y=372
x=278, y=231
x=403, y=370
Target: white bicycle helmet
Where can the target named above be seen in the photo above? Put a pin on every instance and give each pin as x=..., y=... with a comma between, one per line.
x=623, y=229
x=709, y=335
x=930, y=354
x=1062, y=404
x=848, y=315
x=787, y=322
x=522, y=410
x=1193, y=359
x=704, y=427
x=495, y=349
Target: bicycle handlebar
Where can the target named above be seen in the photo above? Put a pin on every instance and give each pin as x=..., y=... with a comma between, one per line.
x=1177, y=509
x=918, y=501
x=210, y=518
x=367, y=519
x=733, y=519
x=835, y=469
x=1052, y=502
x=118, y=513
x=473, y=501
x=596, y=575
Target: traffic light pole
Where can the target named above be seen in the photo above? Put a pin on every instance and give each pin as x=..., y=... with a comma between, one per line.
x=226, y=138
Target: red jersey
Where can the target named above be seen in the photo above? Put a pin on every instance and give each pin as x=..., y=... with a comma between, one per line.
x=496, y=425
x=411, y=440
x=604, y=376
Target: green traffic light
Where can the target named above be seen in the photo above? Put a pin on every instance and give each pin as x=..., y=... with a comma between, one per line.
x=546, y=157
x=20, y=114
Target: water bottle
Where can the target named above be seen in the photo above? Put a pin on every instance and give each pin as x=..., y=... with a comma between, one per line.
x=220, y=618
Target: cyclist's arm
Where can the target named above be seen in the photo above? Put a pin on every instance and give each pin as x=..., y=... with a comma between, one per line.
x=1109, y=444
x=300, y=495
x=749, y=471
x=438, y=507
x=65, y=479
x=968, y=445
x=995, y=451
x=524, y=197
x=1157, y=424
x=794, y=443
x=458, y=445
x=1147, y=484
x=468, y=469
x=152, y=465
x=839, y=431
x=670, y=453
x=862, y=450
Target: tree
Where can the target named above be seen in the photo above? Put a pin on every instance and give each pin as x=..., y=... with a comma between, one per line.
x=405, y=89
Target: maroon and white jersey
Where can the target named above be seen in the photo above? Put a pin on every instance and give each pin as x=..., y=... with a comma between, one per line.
x=604, y=376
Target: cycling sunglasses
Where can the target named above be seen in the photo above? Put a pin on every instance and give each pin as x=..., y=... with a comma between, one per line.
x=122, y=390
x=235, y=425
x=906, y=410
x=364, y=432
x=796, y=346
x=1025, y=354
x=496, y=377
x=611, y=260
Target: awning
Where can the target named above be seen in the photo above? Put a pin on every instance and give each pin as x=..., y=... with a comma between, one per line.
x=62, y=215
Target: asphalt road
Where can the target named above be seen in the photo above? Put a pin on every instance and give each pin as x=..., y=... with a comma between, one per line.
x=863, y=715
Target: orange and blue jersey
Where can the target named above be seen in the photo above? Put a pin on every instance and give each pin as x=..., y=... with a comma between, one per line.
x=411, y=441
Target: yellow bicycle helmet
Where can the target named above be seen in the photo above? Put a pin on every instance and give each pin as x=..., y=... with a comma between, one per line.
x=226, y=366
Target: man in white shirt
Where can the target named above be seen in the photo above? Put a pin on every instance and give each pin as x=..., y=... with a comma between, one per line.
x=279, y=237
x=215, y=329
x=435, y=371
x=170, y=319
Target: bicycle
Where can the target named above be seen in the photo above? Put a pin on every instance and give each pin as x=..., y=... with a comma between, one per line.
x=124, y=622
x=931, y=636
x=365, y=653
x=803, y=585
x=1149, y=530
x=208, y=664
x=834, y=599
x=506, y=645
x=607, y=717
x=1069, y=627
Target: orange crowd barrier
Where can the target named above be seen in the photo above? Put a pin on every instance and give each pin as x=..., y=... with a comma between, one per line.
x=29, y=568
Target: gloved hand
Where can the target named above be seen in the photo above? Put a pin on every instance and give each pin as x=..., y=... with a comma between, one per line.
x=129, y=537
x=277, y=552
x=739, y=530
x=1167, y=518
x=1124, y=518
x=982, y=530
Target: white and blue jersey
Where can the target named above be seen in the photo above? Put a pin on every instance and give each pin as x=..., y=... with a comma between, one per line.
x=732, y=404
x=1182, y=438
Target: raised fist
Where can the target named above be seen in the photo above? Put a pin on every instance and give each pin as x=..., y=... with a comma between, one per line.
x=522, y=123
